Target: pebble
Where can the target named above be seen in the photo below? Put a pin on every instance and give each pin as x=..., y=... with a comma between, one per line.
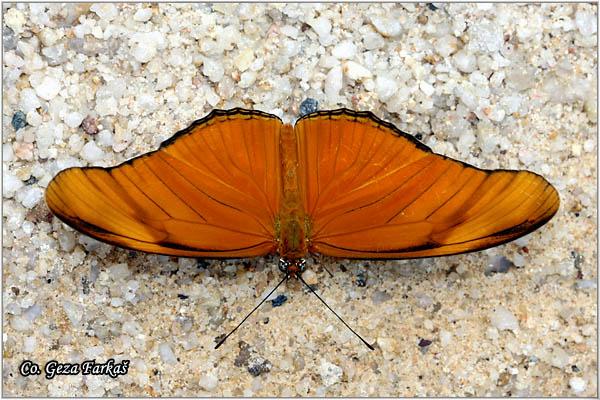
x=258, y=366
x=344, y=50
x=503, y=319
x=142, y=15
x=91, y=152
x=29, y=100
x=379, y=297
x=498, y=264
x=9, y=39
x=586, y=22
x=73, y=119
x=106, y=11
x=321, y=26
x=465, y=61
x=559, y=358
x=310, y=277
x=29, y=344
x=385, y=87
x=330, y=373
x=74, y=312
x=166, y=353
x=213, y=70
x=31, y=197
x=119, y=272
x=308, y=106
x=355, y=71
x=486, y=37
x=47, y=88
x=333, y=84
x=19, y=120
x=15, y=20
x=209, y=382
x=279, y=300
x=90, y=125
x=577, y=384
x=387, y=26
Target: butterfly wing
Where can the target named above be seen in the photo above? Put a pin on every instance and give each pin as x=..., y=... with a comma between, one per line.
x=212, y=190
x=372, y=191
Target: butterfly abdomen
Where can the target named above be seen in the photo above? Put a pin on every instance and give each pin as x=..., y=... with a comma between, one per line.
x=292, y=232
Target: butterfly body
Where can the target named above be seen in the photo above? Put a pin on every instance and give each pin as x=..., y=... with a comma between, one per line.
x=240, y=183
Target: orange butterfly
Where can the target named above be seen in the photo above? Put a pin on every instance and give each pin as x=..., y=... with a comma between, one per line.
x=240, y=183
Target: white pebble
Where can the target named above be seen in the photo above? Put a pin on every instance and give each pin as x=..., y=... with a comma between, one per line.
x=73, y=119
x=91, y=152
x=387, y=26
x=209, y=382
x=333, y=84
x=105, y=138
x=464, y=61
x=373, y=40
x=15, y=20
x=107, y=11
x=31, y=197
x=74, y=311
x=20, y=324
x=446, y=45
x=503, y=319
x=426, y=88
x=344, y=50
x=356, y=71
x=385, y=87
x=10, y=184
x=518, y=261
x=577, y=384
x=106, y=106
x=560, y=358
x=213, y=70
x=143, y=51
x=330, y=373
x=445, y=337
x=244, y=59
x=166, y=353
x=586, y=22
x=310, y=277
x=247, y=79
x=321, y=26
x=486, y=37
x=29, y=100
x=119, y=271
x=29, y=344
x=47, y=88
x=142, y=15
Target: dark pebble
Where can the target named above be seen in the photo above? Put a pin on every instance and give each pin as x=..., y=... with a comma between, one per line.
x=31, y=180
x=361, y=279
x=424, y=342
x=90, y=125
x=9, y=39
x=279, y=300
x=202, y=264
x=432, y=7
x=259, y=366
x=308, y=106
x=183, y=296
x=243, y=356
x=19, y=120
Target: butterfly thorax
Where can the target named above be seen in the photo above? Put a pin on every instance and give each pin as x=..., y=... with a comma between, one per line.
x=292, y=218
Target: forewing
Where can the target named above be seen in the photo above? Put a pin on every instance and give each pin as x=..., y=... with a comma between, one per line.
x=372, y=191
x=212, y=190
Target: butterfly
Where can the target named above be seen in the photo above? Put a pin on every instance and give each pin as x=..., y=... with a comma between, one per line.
x=241, y=183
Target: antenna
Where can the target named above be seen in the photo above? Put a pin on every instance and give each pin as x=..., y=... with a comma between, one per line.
x=334, y=313
x=251, y=312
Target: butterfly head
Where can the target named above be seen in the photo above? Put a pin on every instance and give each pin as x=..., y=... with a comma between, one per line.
x=293, y=268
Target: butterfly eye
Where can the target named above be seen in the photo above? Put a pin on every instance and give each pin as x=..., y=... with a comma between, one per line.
x=284, y=265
